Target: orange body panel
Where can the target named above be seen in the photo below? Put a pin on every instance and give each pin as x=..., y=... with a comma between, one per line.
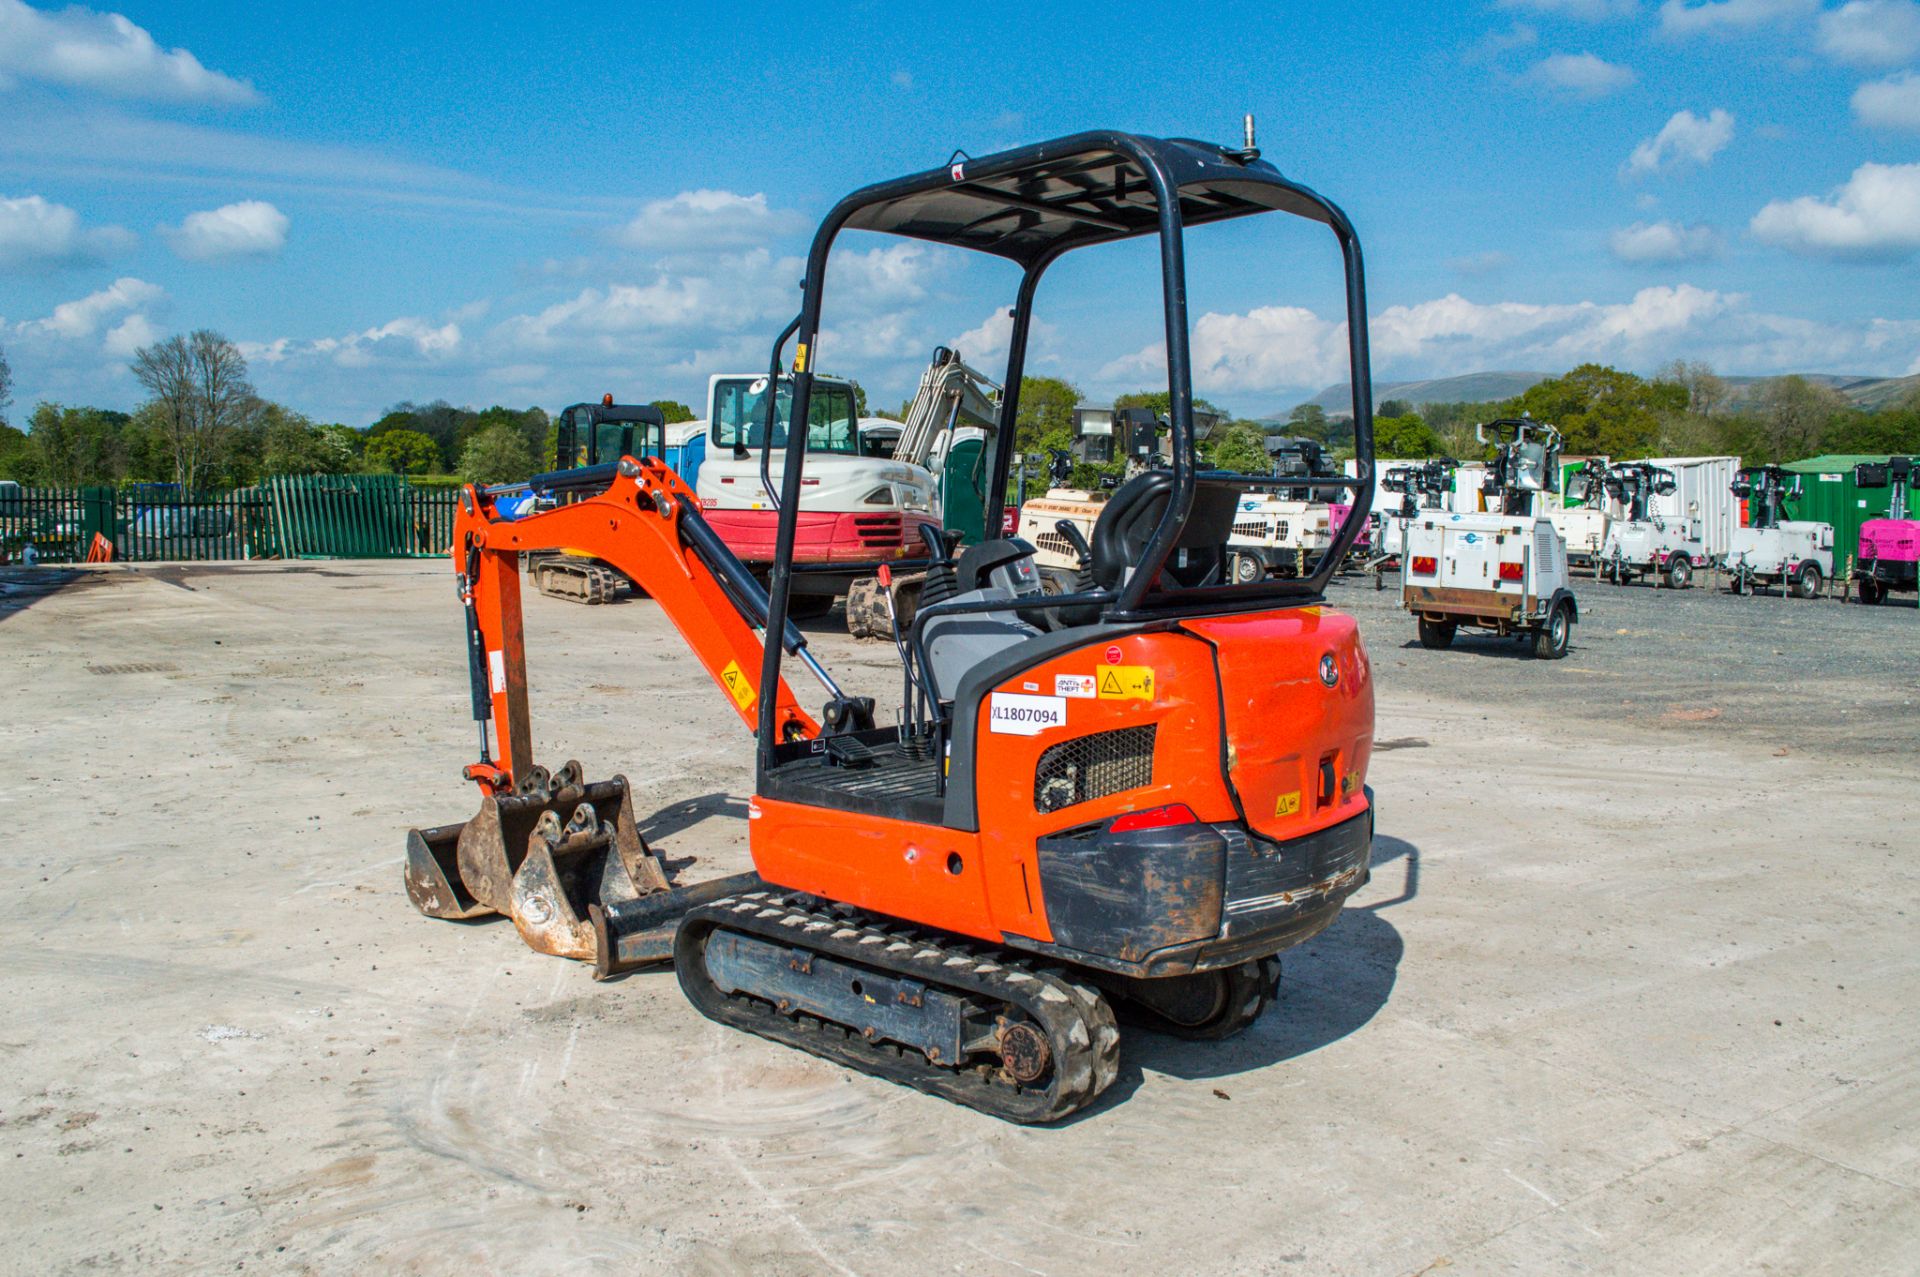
x=1281, y=720
x=897, y=867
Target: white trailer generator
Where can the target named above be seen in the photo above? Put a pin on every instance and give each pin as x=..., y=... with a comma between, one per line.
x=1771, y=550
x=1504, y=569
x=1665, y=547
x=1582, y=526
x=1281, y=531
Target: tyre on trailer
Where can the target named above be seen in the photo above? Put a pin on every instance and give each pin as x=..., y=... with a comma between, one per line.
x=1679, y=571
x=1807, y=581
x=1870, y=591
x=1738, y=585
x=1551, y=640
x=1436, y=635
x=1246, y=569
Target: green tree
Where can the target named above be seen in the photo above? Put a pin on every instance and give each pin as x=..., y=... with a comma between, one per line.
x=1045, y=416
x=1308, y=419
x=1404, y=435
x=1793, y=416
x=16, y=455
x=675, y=411
x=1394, y=408
x=1603, y=410
x=75, y=446
x=404, y=452
x=1240, y=446
x=6, y=386
x=291, y=443
x=498, y=454
x=1707, y=394
x=201, y=397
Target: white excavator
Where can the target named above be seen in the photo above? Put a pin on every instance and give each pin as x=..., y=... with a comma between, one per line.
x=862, y=504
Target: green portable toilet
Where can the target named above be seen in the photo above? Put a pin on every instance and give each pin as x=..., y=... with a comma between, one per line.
x=1828, y=495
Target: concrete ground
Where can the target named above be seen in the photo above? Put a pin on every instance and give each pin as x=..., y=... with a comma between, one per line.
x=1627, y=993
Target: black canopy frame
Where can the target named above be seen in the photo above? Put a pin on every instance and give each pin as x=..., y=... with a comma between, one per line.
x=1032, y=205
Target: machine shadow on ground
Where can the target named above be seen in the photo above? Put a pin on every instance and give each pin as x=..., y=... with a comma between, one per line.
x=21, y=588
x=1333, y=985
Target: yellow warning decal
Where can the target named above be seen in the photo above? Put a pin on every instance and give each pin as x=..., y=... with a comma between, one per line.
x=1126, y=682
x=738, y=686
x=800, y=357
x=1287, y=804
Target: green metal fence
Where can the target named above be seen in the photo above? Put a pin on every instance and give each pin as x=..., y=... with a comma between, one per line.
x=292, y=516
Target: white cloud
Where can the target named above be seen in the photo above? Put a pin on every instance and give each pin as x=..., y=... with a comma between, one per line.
x=1278, y=349
x=1579, y=75
x=129, y=335
x=1892, y=103
x=105, y=53
x=985, y=346
x=1585, y=10
x=402, y=340
x=37, y=232
x=1871, y=33
x=1875, y=214
x=1485, y=263
x=78, y=319
x=705, y=219
x=251, y=228
x=1684, y=139
x=1723, y=17
x=1268, y=347
x=1493, y=44
x=880, y=276
x=1645, y=242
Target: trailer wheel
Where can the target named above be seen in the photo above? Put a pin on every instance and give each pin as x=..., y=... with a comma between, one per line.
x=1738, y=585
x=1807, y=581
x=1437, y=635
x=1246, y=569
x=1551, y=639
x=1870, y=591
x=1679, y=571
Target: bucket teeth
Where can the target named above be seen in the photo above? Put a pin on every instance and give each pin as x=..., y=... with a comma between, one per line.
x=516, y=857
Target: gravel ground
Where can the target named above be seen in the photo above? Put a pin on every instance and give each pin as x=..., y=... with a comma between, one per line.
x=1677, y=1041
x=1794, y=674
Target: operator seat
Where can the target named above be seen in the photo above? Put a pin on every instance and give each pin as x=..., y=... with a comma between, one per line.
x=1125, y=526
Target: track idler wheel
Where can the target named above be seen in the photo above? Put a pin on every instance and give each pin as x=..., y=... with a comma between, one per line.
x=544, y=856
x=1204, y=1006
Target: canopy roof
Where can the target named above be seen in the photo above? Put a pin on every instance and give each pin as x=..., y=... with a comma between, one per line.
x=1037, y=201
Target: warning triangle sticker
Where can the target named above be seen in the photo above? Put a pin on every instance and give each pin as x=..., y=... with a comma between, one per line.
x=1110, y=684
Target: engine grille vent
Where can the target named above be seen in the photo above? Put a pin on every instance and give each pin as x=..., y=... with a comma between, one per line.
x=1090, y=767
x=1054, y=543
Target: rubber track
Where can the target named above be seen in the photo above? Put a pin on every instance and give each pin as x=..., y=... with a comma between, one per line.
x=577, y=582
x=1078, y=1022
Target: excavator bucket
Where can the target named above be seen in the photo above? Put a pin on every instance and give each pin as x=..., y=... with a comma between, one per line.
x=545, y=856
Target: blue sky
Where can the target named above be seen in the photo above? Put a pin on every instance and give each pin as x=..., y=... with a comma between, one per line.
x=536, y=204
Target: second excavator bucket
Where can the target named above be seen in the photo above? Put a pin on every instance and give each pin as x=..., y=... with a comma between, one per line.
x=543, y=856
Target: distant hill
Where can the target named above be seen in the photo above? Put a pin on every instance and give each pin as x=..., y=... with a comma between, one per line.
x=1869, y=393
x=1473, y=387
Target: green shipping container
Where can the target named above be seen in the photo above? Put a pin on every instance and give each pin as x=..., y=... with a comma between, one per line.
x=1828, y=495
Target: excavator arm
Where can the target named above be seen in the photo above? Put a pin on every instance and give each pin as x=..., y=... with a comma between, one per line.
x=647, y=524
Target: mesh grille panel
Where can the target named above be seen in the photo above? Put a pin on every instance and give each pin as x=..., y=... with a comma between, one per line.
x=1260, y=528
x=1054, y=543
x=1090, y=767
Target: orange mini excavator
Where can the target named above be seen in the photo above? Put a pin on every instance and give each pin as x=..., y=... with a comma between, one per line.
x=1130, y=796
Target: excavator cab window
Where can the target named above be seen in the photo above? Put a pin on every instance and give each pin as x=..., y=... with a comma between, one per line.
x=740, y=414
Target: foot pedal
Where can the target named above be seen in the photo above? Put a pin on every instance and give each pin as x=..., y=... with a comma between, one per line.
x=846, y=751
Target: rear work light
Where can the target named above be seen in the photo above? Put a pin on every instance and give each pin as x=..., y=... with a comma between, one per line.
x=1511, y=571
x=1425, y=564
x=1155, y=818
